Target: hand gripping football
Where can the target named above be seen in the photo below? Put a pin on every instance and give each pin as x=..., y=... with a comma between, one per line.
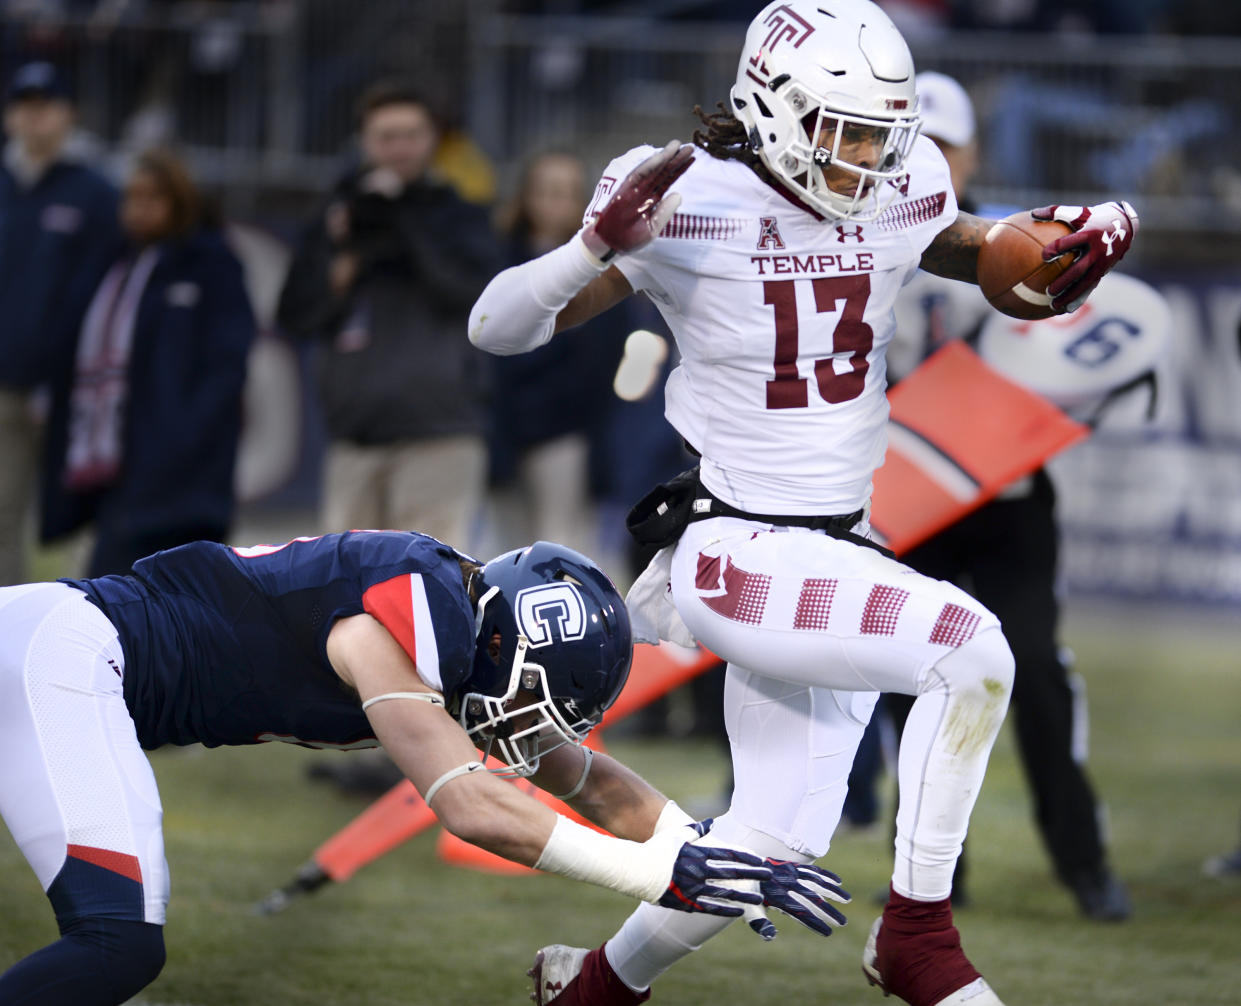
x=1011, y=272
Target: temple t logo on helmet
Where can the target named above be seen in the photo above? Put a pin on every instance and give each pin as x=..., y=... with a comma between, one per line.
x=825, y=89
x=553, y=612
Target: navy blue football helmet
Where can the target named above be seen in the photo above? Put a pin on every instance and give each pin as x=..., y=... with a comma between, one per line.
x=563, y=639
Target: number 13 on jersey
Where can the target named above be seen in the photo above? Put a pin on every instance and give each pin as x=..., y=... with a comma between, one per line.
x=852, y=336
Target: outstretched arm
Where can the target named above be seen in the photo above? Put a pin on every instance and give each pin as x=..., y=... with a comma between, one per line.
x=953, y=253
x=606, y=792
x=1099, y=238
x=436, y=755
x=524, y=306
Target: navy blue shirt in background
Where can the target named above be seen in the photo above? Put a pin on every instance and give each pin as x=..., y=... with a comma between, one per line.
x=57, y=239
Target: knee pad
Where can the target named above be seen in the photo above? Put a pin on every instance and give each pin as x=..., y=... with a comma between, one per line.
x=129, y=955
x=983, y=663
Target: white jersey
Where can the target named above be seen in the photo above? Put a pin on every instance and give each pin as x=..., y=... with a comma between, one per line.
x=782, y=319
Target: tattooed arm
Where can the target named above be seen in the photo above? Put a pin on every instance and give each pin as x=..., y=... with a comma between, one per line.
x=954, y=252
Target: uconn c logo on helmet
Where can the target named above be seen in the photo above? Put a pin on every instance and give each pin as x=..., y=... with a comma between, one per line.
x=551, y=613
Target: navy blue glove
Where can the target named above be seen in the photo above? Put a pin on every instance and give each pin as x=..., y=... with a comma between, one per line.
x=697, y=871
x=804, y=892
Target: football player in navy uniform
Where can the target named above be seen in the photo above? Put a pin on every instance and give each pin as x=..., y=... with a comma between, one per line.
x=348, y=640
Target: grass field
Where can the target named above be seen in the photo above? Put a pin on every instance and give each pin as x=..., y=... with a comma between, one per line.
x=407, y=931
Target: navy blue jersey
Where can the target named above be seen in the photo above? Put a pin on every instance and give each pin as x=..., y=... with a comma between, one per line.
x=228, y=646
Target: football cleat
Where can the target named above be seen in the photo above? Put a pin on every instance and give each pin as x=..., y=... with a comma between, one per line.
x=1101, y=896
x=974, y=993
x=555, y=969
x=575, y=976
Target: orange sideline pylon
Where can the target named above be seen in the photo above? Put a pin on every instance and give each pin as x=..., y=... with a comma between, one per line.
x=399, y=814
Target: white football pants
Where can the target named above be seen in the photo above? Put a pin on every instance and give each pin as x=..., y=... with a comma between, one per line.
x=76, y=784
x=813, y=628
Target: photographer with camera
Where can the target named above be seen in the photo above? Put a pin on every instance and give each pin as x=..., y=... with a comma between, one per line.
x=382, y=281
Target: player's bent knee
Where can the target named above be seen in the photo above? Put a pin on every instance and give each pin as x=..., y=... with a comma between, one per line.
x=129, y=955
x=983, y=664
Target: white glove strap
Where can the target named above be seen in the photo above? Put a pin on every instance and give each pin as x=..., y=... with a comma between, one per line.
x=517, y=311
x=639, y=869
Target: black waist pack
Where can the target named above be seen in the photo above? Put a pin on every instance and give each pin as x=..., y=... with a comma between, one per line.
x=660, y=517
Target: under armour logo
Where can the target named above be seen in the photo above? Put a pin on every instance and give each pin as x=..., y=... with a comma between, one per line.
x=768, y=234
x=822, y=156
x=1111, y=237
x=843, y=235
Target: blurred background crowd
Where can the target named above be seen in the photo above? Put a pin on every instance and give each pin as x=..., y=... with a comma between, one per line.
x=239, y=240
x=254, y=106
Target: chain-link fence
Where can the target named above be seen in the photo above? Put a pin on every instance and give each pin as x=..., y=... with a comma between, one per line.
x=261, y=94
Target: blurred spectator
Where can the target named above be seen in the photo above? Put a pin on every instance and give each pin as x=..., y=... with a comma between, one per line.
x=383, y=279
x=550, y=404
x=58, y=229
x=462, y=164
x=143, y=439
x=918, y=18
x=1112, y=16
x=1005, y=554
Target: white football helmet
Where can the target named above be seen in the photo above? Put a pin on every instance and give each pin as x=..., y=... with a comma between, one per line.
x=827, y=86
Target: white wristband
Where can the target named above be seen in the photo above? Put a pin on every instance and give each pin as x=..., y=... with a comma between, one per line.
x=671, y=816
x=639, y=869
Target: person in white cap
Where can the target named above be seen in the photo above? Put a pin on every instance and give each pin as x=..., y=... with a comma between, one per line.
x=1006, y=553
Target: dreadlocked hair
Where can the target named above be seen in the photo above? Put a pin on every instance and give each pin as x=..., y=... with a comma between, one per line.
x=725, y=138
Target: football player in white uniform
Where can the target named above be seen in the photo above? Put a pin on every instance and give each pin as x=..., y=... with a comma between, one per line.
x=799, y=214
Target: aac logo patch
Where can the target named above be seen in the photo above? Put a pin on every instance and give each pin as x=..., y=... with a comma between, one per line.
x=768, y=234
x=550, y=613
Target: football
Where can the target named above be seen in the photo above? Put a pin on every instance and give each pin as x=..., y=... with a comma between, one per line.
x=1011, y=272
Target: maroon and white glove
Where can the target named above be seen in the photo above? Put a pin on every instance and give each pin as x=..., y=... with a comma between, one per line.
x=639, y=208
x=1101, y=236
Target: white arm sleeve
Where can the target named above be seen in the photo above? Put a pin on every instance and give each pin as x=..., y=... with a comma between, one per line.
x=517, y=311
x=642, y=870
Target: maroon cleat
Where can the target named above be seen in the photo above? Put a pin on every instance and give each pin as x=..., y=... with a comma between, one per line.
x=575, y=976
